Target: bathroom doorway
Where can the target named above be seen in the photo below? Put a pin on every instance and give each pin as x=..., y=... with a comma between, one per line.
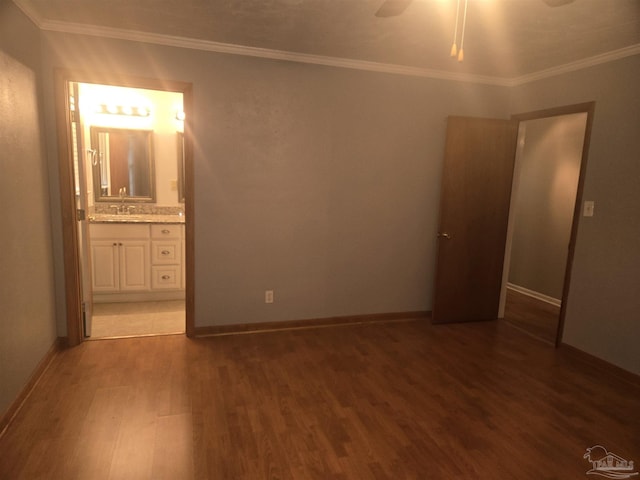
x=125, y=163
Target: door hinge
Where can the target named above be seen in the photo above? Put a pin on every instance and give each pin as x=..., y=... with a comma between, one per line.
x=81, y=214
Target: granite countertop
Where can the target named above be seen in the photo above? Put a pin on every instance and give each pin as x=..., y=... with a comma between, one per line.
x=134, y=218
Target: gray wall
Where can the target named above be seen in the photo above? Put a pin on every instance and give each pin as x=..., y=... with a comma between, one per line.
x=602, y=309
x=27, y=319
x=319, y=183
x=548, y=170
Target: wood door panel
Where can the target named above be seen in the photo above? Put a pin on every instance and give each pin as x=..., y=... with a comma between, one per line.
x=474, y=208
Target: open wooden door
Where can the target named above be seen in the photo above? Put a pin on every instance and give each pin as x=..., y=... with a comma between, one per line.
x=82, y=207
x=474, y=210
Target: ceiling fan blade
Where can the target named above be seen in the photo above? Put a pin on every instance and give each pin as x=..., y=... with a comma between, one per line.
x=557, y=3
x=392, y=8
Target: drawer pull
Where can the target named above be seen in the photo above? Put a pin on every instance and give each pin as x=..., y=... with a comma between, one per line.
x=165, y=252
x=165, y=230
x=166, y=277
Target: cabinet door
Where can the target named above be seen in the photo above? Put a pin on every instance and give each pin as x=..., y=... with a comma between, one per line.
x=104, y=263
x=134, y=265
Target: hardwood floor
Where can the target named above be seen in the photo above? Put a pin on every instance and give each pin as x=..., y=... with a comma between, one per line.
x=398, y=400
x=533, y=316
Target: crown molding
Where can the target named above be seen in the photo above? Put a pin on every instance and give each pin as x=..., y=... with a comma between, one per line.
x=31, y=13
x=231, y=49
x=629, y=51
x=218, y=47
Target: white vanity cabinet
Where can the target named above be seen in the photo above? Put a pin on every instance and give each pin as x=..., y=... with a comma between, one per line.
x=166, y=256
x=120, y=258
x=136, y=262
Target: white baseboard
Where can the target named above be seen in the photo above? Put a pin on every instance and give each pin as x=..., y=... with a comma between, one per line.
x=537, y=295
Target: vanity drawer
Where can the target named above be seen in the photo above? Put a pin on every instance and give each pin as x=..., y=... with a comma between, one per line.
x=164, y=230
x=166, y=277
x=165, y=253
x=120, y=231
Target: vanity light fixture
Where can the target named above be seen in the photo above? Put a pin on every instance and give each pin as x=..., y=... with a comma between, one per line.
x=123, y=110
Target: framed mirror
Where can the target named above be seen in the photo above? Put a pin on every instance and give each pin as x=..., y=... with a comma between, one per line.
x=123, y=163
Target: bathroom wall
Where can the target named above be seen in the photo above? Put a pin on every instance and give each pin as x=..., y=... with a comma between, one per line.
x=162, y=121
x=27, y=293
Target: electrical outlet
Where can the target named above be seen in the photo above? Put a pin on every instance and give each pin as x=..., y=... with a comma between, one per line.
x=268, y=296
x=173, y=185
x=589, y=206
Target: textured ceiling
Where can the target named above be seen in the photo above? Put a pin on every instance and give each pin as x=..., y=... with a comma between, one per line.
x=504, y=38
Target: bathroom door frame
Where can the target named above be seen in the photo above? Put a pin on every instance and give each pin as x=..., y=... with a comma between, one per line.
x=71, y=257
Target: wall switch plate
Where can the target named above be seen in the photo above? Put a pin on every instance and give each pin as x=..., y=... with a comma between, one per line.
x=589, y=206
x=173, y=184
x=268, y=296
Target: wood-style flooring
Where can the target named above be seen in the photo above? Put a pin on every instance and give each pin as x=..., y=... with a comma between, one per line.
x=536, y=317
x=398, y=400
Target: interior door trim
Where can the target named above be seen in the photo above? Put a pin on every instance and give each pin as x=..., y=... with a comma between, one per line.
x=72, y=273
x=589, y=109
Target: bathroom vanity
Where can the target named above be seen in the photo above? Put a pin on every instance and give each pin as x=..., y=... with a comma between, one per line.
x=137, y=257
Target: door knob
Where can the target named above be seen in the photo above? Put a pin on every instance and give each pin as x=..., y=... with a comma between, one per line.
x=444, y=235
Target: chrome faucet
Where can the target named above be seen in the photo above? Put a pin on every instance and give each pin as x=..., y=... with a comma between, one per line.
x=122, y=209
x=123, y=195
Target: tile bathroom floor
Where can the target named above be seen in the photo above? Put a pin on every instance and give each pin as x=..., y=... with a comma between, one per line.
x=137, y=319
